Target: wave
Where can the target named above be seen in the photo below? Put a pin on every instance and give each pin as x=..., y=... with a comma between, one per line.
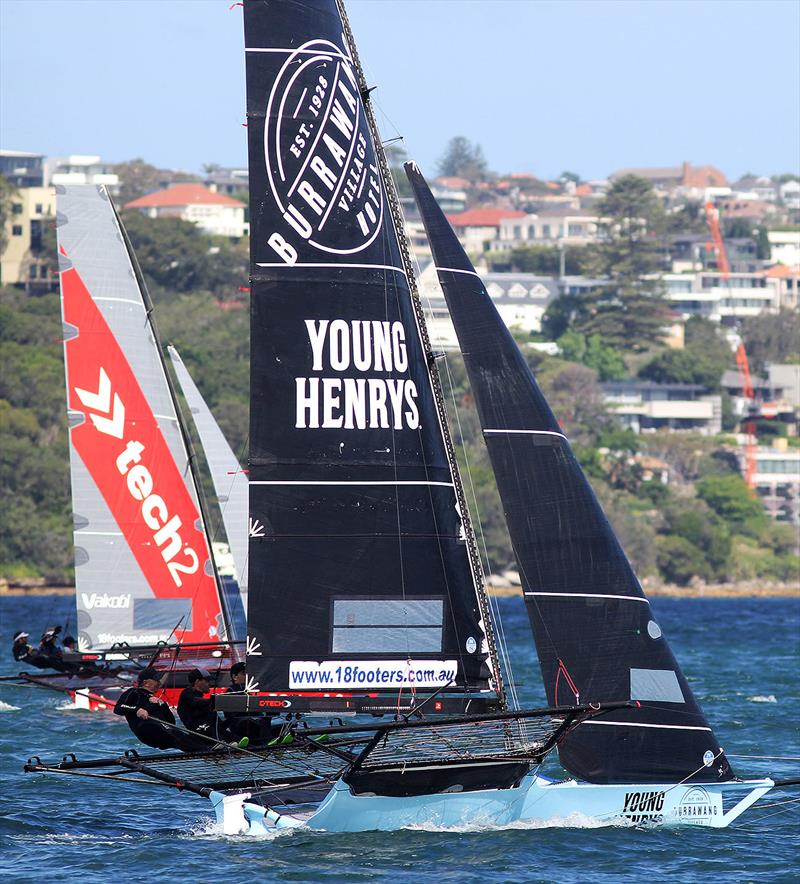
x=571, y=821
x=7, y=707
x=769, y=698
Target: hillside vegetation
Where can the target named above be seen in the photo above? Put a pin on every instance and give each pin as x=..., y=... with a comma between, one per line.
x=705, y=523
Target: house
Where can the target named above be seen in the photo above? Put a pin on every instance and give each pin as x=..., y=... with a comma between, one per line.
x=22, y=169
x=686, y=180
x=23, y=263
x=215, y=213
x=645, y=406
x=784, y=246
x=777, y=481
x=80, y=169
x=788, y=282
x=551, y=226
x=476, y=229
x=520, y=298
x=227, y=181
x=721, y=300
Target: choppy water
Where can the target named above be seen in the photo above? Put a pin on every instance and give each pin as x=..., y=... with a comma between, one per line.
x=741, y=657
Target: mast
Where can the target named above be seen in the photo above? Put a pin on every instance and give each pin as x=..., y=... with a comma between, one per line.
x=405, y=251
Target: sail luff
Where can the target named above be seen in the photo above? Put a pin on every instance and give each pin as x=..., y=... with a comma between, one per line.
x=595, y=633
x=476, y=566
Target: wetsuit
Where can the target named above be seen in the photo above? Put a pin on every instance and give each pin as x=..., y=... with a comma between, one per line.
x=197, y=714
x=258, y=728
x=148, y=730
x=26, y=654
x=52, y=654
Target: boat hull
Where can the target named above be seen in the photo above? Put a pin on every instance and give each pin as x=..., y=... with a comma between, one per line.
x=536, y=801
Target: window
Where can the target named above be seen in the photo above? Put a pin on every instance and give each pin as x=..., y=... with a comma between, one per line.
x=38, y=208
x=380, y=626
x=16, y=208
x=16, y=230
x=546, y=231
x=531, y=232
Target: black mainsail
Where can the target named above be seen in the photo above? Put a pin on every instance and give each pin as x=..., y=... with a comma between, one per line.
x=361, y=574
x=595, y=633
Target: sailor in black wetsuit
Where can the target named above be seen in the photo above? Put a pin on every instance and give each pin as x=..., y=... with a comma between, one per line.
x=24, y=653
x=49, y=651
x=197, y=712
x=144, y=713
x=258, y=728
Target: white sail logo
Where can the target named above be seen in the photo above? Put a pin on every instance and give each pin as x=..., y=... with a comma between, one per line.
x=106, y=419
x=320, y=162
x=93, y=600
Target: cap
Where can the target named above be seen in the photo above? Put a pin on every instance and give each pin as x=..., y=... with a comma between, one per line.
x=237, y=668
x=194, y=674
x=148, y=672
x=69, y=640
x=19, y=635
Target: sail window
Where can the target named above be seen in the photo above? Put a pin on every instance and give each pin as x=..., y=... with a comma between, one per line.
x=656, y=684
x=162, y=613
x=366, y=626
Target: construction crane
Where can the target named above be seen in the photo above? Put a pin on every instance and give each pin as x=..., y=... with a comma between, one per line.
x=712, y=218
x=749, y=427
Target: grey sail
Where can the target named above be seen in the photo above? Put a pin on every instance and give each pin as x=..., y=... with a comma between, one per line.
x=143, y=569
x=230, y=481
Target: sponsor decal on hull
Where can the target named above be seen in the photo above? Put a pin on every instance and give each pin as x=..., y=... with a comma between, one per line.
x=124, y=450
x=644, y=807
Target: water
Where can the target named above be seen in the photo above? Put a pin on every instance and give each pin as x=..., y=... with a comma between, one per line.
x=741, y=657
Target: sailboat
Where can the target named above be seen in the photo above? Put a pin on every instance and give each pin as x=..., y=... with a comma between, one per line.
x=147, y=589
x=366, y=593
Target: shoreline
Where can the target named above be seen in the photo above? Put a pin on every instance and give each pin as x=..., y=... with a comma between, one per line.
x=702, y=591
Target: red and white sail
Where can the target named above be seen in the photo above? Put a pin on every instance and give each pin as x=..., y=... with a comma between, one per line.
x=143, y=567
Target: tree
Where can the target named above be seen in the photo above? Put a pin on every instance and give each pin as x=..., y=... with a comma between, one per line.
x=629, y=311
x=574, y=177
x=396, y=156
x=464, y=160
x=737, y=228
x=139, y=178
x=731, y=499
x=772, y=338
x=593, y=353
x=763, y=246
x=7, y=191
x=679, y=560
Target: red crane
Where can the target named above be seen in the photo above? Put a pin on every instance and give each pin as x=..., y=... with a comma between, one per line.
x=712, y=217
x=750, y=461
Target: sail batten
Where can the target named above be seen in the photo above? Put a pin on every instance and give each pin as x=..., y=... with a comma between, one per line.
x=352, y=487
x=593, y=645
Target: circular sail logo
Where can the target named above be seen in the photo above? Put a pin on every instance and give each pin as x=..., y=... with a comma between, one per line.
x=321, y=165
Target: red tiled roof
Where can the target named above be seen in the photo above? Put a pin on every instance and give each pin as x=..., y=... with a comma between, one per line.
x=182, y=195
x=483, y=217
x=781, y=271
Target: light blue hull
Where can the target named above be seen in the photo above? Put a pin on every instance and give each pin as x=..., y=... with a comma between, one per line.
x=537, y=801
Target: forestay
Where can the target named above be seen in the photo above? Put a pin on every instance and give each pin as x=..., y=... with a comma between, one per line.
x=360, y=573
x=596, y=635
x=142, y=562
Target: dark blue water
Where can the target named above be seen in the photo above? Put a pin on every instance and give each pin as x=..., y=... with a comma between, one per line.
x=741, y=657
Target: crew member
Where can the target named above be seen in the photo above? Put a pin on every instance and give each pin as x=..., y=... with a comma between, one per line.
x=148, y=716
x=257, y=728
x=84, y=668
x=24, y=653
x=197, y=713
x=50, y=651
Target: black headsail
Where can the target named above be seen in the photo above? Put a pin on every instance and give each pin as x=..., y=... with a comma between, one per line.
x=361, y=578
x=595, y=633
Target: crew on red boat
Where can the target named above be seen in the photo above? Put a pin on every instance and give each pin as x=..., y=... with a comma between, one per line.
x=25, y=653
x=257, y=728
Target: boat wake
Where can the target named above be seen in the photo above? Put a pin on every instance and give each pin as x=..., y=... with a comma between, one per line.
x=769, y=698
x=7, y=707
